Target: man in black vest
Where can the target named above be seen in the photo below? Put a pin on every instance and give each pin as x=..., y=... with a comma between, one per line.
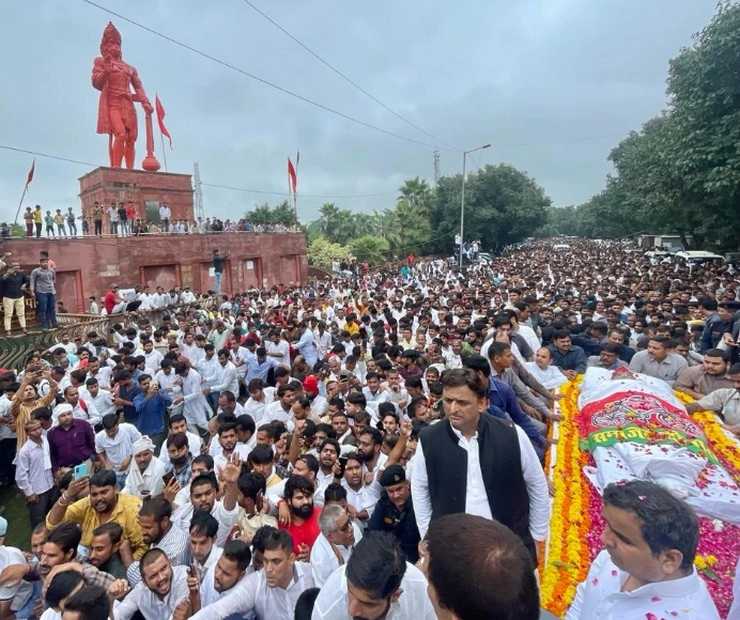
x=474, y=463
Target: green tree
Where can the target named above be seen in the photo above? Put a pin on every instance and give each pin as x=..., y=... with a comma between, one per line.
x=261, y=214
x=502, y=206
x=369, y=248
x=321, y=252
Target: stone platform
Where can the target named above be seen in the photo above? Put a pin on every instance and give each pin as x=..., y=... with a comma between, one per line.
x=147, y=190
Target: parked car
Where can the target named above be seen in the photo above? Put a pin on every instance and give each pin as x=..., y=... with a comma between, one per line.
x=696, y=257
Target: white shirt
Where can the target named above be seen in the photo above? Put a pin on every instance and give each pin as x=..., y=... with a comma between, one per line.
x=102, y=376
x=117, y=449
x=103, y=402
x=251, y=594
x=414, y=602
x=226, y=519
x=364, y=499
x=600, y=597
x=31, y=475
x=152, y=361
x=208, y=594
x=149, y=604
x=550, y=378
x=196, y=405
x=150, y=478
x=8, y=556
x=194, y=444
x=257, y=409
x=275, y=411
x=530, y=336
x=281, y=347
x=226, y=379
x=323, y=559
x=476, y=499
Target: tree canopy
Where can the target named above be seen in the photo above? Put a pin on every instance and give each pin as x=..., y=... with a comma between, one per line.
x=680, y=173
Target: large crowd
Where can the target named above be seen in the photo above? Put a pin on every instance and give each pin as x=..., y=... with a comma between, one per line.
x=369, y=446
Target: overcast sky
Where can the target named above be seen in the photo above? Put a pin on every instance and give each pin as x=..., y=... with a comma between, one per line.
x=553, y=85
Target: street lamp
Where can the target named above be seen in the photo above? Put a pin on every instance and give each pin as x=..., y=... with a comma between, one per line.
x=462, y=203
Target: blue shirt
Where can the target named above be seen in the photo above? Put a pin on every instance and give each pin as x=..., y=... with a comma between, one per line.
x=129, y=394
x=151, y=412
x=501, y=398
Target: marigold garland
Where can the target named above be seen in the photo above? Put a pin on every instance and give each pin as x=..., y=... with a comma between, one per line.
x=568, y=557
x=576, y=521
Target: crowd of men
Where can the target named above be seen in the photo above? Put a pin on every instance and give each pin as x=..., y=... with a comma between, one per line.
x=361, y=448
x=126, y=219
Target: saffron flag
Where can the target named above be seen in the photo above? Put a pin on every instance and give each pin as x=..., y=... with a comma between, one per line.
x=30, y=174
x=292, y=179
x=160, y=118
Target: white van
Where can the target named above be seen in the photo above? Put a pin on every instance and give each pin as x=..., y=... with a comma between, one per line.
x=696, y=257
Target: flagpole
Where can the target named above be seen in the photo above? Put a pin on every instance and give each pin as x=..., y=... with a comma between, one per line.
x=295, y=192
x=164, y=153
x=20, y=204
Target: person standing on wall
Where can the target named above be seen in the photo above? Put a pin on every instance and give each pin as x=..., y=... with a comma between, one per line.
x=218, y=268
x=43, y=286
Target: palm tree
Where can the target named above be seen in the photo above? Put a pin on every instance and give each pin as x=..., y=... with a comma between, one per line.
x=417, y=192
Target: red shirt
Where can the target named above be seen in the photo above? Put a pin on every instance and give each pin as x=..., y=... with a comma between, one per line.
x=109, y=301
x=306, y=533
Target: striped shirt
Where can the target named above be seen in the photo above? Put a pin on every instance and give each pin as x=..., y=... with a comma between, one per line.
x=30, y=474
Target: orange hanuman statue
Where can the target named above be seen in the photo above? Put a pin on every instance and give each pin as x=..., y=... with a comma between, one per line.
x=116, y=113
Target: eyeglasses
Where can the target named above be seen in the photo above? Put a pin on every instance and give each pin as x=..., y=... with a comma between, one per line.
x=346, y=527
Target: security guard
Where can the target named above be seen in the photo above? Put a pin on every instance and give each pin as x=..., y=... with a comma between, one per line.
x=394, y=512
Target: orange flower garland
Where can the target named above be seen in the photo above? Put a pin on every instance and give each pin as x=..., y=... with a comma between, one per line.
x=569, y=553
x=723, y=447
x=567, y=559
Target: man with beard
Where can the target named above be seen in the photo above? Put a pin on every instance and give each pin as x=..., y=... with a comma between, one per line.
x=104, y=550
x=145, y=475
x=394, y=512
x=228, y=571
x=203, y=491
x=268, y=593
x=228, y=442
x=70, y=443
x=104, y=504
x=369, y=443
x=161, y=590
x=334, y=546
x=59, y=548
x=328, y=454
x=304, y=524
x=361, y=498
x=376, y=584
x=158, y=532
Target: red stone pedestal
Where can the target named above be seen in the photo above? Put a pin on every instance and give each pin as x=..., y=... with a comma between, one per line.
x=147, y=190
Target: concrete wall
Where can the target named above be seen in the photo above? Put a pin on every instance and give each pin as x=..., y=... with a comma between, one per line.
x=87, y=266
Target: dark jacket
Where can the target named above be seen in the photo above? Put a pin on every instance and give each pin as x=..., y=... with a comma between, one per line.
x=501, y=467
x=402, y=524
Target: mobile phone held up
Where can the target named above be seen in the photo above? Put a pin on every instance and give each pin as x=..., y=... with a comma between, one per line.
x=80, y=471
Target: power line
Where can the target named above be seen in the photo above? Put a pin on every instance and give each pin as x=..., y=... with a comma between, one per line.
x=260, y=191
x=255, y=77
x=14, y=149
x=348, y=79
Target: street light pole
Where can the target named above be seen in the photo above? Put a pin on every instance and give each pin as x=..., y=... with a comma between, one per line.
x=462, y=201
